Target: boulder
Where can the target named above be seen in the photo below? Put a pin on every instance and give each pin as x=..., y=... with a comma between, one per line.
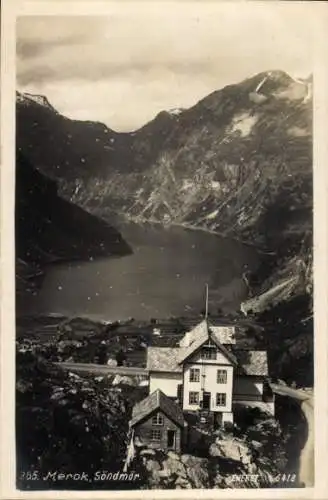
x=173, y=455
x=189, y=460
x=175, y=467
x=152, y=466
x=147, y=451
x=232, y=448
x=182, y=483
x=256, y=444
x=198, y=474
x=252, y=468
x=246, y=457
x=185, y=458
x=123, y=379
x=164, y=473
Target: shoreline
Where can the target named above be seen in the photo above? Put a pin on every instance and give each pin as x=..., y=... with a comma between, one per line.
x=136, y=220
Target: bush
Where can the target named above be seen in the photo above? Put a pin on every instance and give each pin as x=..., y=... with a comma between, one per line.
x=66, y=423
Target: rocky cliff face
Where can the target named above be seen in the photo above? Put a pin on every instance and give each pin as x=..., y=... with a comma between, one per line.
x=67, y=425
x=49, y=228
x=221, y=164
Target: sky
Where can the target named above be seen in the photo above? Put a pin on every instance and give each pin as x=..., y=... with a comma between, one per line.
x=125, y=67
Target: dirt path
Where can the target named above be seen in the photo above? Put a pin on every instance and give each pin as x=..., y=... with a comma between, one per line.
x=306, y=467
x=306, y=470
x=102, y=369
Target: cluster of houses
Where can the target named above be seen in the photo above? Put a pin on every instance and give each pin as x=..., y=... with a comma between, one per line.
x=206, y=377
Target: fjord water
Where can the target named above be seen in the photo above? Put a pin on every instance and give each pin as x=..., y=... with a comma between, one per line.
x=165, y=276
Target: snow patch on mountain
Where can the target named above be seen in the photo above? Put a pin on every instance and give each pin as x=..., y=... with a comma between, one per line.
x=212, y=215
x=175, y=111
x=243, y=123
x=26, y=99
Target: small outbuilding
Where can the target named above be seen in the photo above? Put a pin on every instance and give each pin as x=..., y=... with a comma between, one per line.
x=158, y=422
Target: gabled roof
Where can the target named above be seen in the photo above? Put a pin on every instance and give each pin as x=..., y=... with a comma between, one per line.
x=198, y=337
x=196, y=343
x=164, y=359
x=224, y=334
x=194, y=334
x=170, y=359
x=157, y=400
x=252, y=362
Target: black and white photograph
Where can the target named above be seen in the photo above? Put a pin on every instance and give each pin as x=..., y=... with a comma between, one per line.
x=164, y=248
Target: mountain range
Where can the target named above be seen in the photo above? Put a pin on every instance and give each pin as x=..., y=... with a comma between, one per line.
x=239, y=162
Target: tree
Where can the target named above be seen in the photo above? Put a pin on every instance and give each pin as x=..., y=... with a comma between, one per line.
x=66, y=423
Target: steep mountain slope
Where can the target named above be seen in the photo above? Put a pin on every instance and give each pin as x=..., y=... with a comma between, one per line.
x=49, y=228
x=225, y=161
x=68, y=149
x=239, y=162
x=61, y=147
x=220, y=165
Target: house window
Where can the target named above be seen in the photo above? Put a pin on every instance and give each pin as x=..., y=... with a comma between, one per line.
x=221, y=399
x=194, y=375
x=221, y=377
x=193, y=398
x=157, y=419
x=155, y=435
x=208, y=353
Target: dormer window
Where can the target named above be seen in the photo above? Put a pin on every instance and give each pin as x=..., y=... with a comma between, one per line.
x=209, y=350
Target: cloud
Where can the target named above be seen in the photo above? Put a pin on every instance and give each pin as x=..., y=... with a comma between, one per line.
x=28, y=49
x=124, y=68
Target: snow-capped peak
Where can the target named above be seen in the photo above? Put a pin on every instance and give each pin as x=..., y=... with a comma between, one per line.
x=26, y=98
x=175, y=111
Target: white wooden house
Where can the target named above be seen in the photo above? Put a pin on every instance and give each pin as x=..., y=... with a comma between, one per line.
x=208, y=372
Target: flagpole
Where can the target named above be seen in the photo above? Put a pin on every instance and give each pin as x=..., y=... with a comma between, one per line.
x=206, y=303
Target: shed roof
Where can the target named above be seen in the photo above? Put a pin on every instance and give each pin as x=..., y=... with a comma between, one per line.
x=157, y=400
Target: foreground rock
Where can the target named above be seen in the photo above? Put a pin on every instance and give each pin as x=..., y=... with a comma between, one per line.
x=172, y=471
x=68, y=423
